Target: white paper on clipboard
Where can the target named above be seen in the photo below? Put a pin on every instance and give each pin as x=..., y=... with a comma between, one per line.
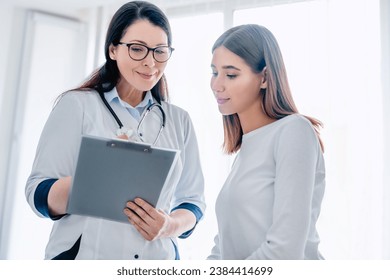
x=111, y=172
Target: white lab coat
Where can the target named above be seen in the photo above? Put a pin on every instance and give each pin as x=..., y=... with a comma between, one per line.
x=79, y=113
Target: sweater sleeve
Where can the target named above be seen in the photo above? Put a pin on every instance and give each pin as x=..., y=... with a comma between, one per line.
x=296, y=155
x=215, y=251
x=57, y=149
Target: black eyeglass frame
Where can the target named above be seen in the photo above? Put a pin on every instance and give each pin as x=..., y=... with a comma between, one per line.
x=128, y=45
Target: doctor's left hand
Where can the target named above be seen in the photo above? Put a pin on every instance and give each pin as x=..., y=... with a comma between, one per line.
x=150, y=222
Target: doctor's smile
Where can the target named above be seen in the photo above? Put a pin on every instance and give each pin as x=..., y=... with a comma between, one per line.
x=146, y=76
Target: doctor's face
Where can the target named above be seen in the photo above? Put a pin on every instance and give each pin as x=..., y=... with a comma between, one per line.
x=141, y=74
x=236, y=87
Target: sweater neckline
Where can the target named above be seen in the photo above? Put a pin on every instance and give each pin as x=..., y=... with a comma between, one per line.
x=265, y=128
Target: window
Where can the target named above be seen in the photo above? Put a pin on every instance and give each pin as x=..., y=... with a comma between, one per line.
x=51, y=40
x=188, y=73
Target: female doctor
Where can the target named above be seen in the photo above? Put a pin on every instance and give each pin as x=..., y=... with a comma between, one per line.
x=111, y=104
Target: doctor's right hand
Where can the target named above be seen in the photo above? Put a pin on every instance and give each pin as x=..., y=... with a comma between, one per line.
x=150, y=222
x=154, y=223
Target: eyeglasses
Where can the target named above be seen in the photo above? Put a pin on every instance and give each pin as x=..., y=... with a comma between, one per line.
x=138, y=52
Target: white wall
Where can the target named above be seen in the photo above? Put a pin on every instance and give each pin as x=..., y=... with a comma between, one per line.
x=5, y=30
x=11, y=42
x=6, y=15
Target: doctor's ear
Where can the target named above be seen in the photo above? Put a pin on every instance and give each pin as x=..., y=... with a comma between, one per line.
x=264, y=78
x=112, y=51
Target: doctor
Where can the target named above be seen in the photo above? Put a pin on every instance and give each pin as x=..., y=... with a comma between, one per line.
x=137, y=48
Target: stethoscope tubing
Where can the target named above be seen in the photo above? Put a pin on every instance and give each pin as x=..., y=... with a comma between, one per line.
x=101, y=94
x=147, y=111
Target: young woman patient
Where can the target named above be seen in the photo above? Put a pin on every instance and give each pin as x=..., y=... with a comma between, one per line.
x=270, y=202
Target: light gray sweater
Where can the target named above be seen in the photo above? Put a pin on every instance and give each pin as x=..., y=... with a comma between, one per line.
x=270, y=202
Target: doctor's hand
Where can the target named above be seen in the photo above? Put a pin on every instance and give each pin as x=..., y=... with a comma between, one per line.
x=150, y=222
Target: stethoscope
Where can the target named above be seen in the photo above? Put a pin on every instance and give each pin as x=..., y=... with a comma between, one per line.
x=146, y=112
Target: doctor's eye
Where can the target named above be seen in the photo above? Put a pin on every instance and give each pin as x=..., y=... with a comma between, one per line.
x=138, y=49
x=161, y=51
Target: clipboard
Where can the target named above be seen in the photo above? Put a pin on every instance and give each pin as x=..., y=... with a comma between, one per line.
x=110, y=172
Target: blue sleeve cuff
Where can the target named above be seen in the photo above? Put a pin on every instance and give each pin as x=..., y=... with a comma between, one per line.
x=40, y=198
x=195, y=210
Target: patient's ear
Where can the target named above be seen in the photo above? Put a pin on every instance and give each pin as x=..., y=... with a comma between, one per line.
x=264, y=78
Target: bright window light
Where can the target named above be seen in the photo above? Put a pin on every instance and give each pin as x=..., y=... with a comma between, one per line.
x=332, y=54
x=188, y=73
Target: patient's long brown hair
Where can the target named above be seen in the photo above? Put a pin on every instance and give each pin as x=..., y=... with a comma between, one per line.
x=257, y=46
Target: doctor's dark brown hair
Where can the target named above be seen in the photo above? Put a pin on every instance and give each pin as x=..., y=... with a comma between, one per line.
x=257, y=46
x=106, y=78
